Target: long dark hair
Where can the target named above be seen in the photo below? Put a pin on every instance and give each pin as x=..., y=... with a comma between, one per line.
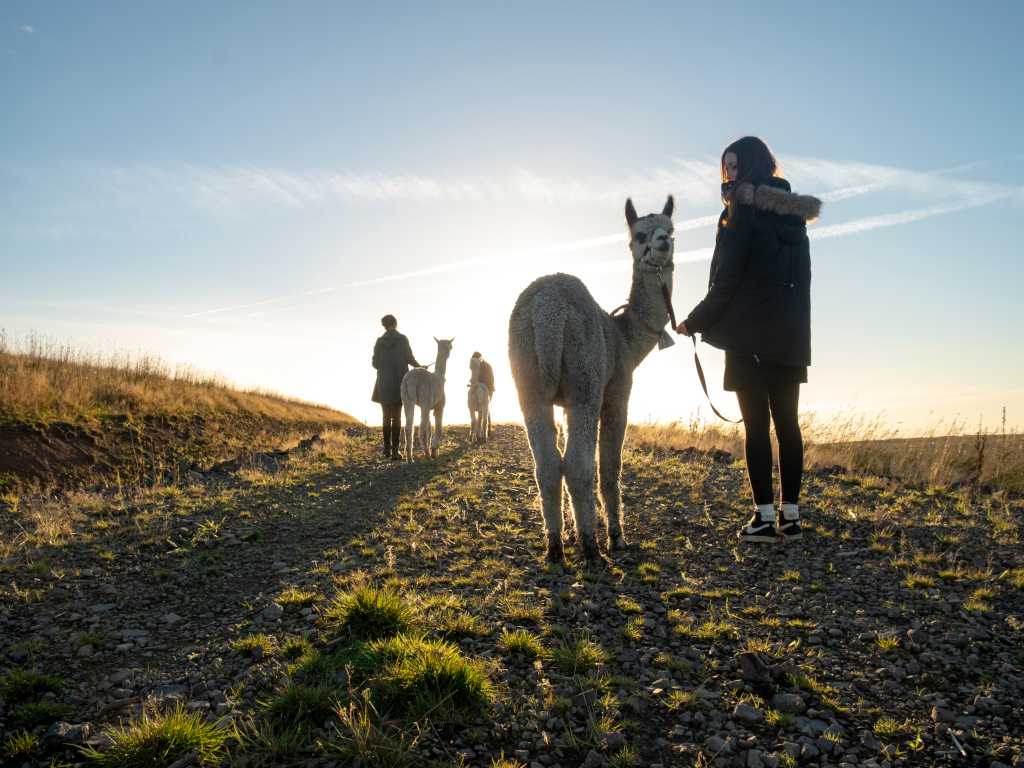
x=755, y=164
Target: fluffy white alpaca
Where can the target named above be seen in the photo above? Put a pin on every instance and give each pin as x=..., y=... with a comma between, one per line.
x=567, y=351
x=425, y=389
x=479, y=403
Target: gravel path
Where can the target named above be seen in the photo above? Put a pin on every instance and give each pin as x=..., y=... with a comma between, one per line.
x=895, y=622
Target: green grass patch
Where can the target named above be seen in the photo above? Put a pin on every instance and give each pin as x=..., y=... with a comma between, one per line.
x=294, y=647
x=161, y=739
x=686, y=700
x=248, y=644
x=298, y=598
x=19, y=744
x=522, y=642
x=299, y=708
x=41, y=713
x=578, y=655
x=20, y=685
x=629, y=605
x=672, y=663
x=419, y=678
x=368, y=613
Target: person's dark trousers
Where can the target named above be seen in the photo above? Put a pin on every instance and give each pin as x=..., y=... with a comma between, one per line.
x=392, y=427
x=760, y=407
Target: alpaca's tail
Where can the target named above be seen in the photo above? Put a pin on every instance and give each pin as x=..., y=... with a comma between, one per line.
x=549, y=315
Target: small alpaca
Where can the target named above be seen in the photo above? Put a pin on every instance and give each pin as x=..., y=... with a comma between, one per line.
x=425, y=389
x=567, y=351
x=479, y=403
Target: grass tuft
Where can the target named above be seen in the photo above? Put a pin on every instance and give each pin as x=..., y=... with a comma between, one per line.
x=522, y=642
x=367, y=613
x=579, y=655
x=25, y=684
x=160, y=740
x=41, y=713
x=420, y=678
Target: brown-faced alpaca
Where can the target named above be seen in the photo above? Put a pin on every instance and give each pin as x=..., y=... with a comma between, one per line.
x=567, y=351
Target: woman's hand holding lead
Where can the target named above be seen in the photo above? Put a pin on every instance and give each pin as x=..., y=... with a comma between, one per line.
x=681, y=328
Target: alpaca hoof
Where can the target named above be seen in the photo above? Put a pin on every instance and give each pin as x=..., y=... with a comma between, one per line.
x=597, y=564
x=593, y=559
x=618, y=543
x=433, y=453
x=555, y=554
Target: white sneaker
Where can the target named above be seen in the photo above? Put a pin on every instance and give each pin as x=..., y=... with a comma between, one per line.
x=789, y=522
x=761, y=527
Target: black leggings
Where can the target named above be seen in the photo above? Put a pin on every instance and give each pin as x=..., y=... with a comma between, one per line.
x=778, y=403
x=392, y=423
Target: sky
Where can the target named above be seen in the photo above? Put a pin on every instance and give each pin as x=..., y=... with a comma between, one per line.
x=249, y=187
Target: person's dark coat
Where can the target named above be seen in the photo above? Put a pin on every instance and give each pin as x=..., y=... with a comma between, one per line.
x=392, y=357
x=487, y=377
x=758, y=303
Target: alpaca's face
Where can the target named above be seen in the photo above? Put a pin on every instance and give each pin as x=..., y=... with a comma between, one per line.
x=444, y=345
x=650, y=237
x=651, y=242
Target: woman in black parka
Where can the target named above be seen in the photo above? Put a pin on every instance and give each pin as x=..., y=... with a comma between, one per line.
x=392, y=357
x=758, y=309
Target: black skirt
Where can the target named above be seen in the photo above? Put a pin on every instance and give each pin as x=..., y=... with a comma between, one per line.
x=745, y=373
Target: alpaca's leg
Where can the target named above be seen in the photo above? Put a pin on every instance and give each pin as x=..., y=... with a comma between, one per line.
x=613, y=431
x=547, y=461
x=410, y=414
x=578, y=466
x=485, y=415
x=425, y=431
x=438, y=431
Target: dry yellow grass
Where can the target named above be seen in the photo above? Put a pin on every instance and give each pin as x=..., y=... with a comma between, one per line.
x=43, y=379
x=936, y=456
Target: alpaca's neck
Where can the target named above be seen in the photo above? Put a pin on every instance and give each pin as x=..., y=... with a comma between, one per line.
x=441, y=365
x=475, y=376
x=647, y=304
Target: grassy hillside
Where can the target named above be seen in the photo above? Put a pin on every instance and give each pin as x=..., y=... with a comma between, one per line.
x=71, y=415
x=941, y=456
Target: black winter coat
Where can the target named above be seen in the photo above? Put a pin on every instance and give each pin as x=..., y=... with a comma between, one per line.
x=758, y=303
x=392, y=357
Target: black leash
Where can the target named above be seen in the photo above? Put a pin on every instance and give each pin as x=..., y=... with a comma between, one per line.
x=700, y=368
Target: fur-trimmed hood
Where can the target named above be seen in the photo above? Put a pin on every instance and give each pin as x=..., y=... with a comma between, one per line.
x=775, y=196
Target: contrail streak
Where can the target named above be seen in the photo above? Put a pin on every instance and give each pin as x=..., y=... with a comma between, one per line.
x=819, y=233
x=894, y=219
x=498, y=258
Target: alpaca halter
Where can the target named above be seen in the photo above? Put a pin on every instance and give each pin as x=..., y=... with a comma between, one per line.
x=664, y=339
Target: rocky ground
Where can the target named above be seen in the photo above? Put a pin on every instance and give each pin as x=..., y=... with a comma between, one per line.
x=891, y=635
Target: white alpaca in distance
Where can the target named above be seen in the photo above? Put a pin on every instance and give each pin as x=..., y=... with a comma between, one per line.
x=479, y=403
x=425, y=389
x=567, y=351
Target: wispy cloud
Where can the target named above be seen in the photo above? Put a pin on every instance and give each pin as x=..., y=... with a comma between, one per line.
x=28, y=30
x=168, y=190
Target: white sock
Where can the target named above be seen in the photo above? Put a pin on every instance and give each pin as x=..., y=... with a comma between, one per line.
x=766, y=512
x=790, y=511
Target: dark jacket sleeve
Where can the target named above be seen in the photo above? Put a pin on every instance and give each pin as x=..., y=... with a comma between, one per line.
x=487, y=376
x=376, y=360
x=410, y=358
x=733, y=253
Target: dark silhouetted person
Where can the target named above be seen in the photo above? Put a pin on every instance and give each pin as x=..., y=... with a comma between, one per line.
x=392, y=357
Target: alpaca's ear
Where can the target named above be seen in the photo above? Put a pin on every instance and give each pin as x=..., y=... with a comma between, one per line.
x=670, y=205
x=631, y=216
x=436, y=339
